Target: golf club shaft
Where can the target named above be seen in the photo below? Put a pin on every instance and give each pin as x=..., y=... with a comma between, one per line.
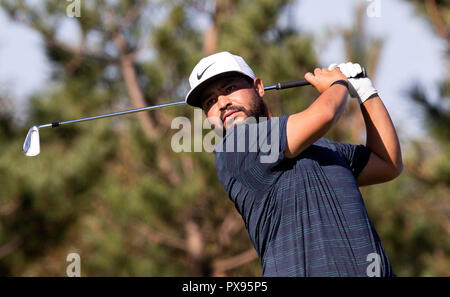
x=107, y=115
x=302, y=82
x=287, y=85
x=277, y=86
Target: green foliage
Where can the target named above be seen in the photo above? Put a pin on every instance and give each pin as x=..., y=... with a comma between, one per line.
x=411, y=213
x=127, y=203
x=124, y=202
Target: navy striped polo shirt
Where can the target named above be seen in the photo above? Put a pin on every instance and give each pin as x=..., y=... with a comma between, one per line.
x=305, y=216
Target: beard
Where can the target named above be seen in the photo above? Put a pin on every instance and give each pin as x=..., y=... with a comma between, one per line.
x=257, y=111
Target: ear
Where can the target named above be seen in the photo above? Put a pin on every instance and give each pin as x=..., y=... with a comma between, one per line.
x=259, y=86
x=259, y=89
x=269, y=113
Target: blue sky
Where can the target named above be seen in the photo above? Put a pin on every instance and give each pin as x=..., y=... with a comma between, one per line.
x=412, y=53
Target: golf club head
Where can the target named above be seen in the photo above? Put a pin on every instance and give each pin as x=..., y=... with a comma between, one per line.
x=31, y=146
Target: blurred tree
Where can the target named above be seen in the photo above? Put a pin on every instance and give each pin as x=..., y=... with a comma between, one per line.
x=426, y=215
x=437, y=12
x=365, y=50
x=411, y=214
x=113, y=190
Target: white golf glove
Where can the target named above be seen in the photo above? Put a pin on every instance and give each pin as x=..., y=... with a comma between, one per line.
x=361, y=88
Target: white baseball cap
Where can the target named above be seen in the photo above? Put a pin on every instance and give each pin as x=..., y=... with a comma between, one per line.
x=212, y=67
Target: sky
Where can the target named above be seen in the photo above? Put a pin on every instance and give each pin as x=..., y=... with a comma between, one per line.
x=23, y=66
x=412, y=53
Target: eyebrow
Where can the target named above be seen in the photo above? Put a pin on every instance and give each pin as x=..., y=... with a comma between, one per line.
x=228, y=81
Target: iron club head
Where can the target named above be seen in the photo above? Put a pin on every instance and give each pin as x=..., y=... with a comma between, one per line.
x=31, y=146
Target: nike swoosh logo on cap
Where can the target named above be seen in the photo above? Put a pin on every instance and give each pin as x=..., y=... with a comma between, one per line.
x=199, y=76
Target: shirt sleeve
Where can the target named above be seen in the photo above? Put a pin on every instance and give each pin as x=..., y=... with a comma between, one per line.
x=356, y=156
x=250, y=152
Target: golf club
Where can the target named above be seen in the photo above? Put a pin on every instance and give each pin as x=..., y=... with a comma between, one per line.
x=31, y=146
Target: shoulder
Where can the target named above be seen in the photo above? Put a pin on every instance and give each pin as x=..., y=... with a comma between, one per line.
x=324, y=143
x=323, y=149
x=330, y=147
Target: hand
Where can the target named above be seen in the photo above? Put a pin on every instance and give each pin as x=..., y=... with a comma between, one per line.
x=360, y=88
x=323, y=78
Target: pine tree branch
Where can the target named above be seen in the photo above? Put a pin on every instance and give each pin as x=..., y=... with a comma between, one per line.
x=198, y=7
x=131, y=16
x=195, y=247
x=210, y=40
x=436, y=20
x=222, y=266
x=131, y=82
x=8, y=248
x=8, y=209
x=136, y=95
x=230, y=225
x=157, y=237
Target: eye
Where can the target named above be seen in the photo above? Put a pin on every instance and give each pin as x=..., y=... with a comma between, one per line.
x=210, y=103
x=230, y=89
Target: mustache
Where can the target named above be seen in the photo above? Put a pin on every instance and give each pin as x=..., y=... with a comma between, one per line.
x=233, y=108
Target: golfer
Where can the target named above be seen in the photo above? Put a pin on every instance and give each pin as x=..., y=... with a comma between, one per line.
x=302, y=208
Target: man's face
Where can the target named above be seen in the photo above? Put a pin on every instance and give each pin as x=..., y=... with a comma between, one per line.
x=231, y=100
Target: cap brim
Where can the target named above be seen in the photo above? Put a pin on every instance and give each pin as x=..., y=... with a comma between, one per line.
x=193, y=97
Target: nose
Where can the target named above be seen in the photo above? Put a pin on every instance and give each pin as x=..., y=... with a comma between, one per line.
x=223, y=101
